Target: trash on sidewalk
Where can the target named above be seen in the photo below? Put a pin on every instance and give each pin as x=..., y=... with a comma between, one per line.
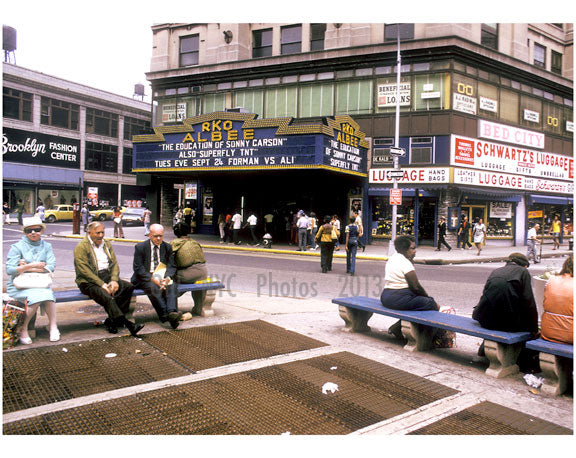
x=533, y=381
x=110, y=355
x=329, y=386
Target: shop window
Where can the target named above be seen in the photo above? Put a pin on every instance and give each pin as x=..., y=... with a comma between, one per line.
x=556, y=62
x=291, y=39
x=489, y=35
x=539, y=55
x=317, y=33
x=57, y=113
x=189, y=50
x=262, y=43
x=252, y=101
x=281, y=102
x=421, y=150
x=499, y=222
x=543, y=214
x=134, y=126
x=381, y=156
x=101, y=122
x=16, y=104
x=354, y=97
x=382, y=217
x=127, y=161
x=101, y=157
x=316, y=100
x=213, y=102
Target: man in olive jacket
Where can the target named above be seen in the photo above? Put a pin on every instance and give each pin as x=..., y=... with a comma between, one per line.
x=98, y=276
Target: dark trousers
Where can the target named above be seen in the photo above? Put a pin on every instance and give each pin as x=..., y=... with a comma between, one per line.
x=442, y=241
x=253, y=234
x=236, y=233
x=116, y=306
x=326, y=255
x=465, y=241
x=164, y=301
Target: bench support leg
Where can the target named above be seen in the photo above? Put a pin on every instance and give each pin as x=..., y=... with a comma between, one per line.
x=502, y=358
x=556, y=371
x=420, y=337
x=205, y=309
x=356, y=320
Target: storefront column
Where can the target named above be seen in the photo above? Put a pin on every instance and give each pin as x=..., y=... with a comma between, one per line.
x=520, y=222
x=416, y=215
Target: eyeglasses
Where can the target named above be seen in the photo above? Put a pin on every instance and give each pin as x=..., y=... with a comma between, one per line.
x=29, y=230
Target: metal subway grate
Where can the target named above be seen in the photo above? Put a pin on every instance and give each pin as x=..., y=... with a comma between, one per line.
x=271, y=400
x=40, y=376
x=213, y=346
x=488, y=418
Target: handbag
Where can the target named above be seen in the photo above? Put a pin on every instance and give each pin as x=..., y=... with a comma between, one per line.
x=117, y=220
x=334, y=233
x=27, y=280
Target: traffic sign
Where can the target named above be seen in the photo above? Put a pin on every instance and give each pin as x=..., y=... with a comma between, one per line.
x=397, y=151
x=394, y=174
x=396, y=196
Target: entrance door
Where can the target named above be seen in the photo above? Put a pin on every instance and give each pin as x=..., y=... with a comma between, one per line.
x=473, y=212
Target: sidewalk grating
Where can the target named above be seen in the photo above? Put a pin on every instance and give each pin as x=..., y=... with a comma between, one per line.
x=270, y=400
x=488, y=418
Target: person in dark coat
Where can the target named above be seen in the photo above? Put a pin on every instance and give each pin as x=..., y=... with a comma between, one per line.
x=507, y=304
x=442, y=235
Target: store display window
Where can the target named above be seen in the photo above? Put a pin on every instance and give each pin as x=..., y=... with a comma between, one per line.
x=382, y=218
x=499, y=222
x=543, y=214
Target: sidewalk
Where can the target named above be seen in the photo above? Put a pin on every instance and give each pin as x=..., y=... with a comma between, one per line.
x=376, y=252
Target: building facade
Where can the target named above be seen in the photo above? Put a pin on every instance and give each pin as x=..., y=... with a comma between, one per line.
x=65, y=143
x=486, y=116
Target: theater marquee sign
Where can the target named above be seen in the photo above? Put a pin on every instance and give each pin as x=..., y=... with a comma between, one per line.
x=239, y=141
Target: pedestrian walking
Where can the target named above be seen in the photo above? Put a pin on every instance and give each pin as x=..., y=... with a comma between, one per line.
x=187, y=212
x=532, y=242
x=302, y=225
x=312, y=231
x=555, y=232
x=19, y=211
x=221, y=225
x=442, y=234
x=40, y=210
x=236, y=226
x=326, y=237
x=353, y=234
x=146, y=218
x=358, y=222
x=6, y=213
x=479, y=233
x=336, y=223
x=251, y=223
x=84, y=216
x=464, y=233
x=228, y=228
x=117, y=217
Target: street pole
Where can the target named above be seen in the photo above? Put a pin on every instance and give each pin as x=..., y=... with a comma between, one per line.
x=391, y=249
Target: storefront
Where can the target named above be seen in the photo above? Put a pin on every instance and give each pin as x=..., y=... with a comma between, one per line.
x=223, y=162
x=542, y=210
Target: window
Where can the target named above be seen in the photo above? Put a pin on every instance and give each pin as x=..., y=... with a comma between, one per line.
x=101, y=122
x=317, y=32
x=291, y=39
x=281, y=102
x=252, y=101
x=59, y=114
x=133, y=126
x=556, y=62
x=316, y=100
x=509, y=105
x=17, y=104
x=421, y=149
x=354, y=97
x=539, y=55
x=213, y=102
x=100, y=157
x=189, y=50
x=489, y=36
x=381, y=152
x=429, y=91
x=262, y=43
x=127, y=161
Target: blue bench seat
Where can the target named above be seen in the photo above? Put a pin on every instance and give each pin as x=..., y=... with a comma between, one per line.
x=556, y=362
x=501, y=347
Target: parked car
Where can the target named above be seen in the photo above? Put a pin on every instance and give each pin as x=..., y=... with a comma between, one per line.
x=58, y=213
x=133, y=217
x=104, y=213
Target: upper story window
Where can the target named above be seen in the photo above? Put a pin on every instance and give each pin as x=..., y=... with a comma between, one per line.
x=189, y=50
x=17, y=104
x=59, y=114
x=100, y=157
x=133, y=126
x=421, y=150
x=556, y=62
x=539, y=55
x=291, y=39
x=127, y=161
x=489, y=37
x=101, y=122
x=262, y=43
x=317, y=32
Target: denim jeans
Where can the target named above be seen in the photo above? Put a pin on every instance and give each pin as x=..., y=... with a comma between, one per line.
x=351, y=257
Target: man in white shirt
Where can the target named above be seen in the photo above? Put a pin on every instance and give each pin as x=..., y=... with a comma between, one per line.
x=302, y=225
x=236, y=226
x=532, y=242
x=402, y=290
x=358, y=222
x=251, y=223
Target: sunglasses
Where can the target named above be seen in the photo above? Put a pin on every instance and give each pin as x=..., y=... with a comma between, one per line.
x=29, y=230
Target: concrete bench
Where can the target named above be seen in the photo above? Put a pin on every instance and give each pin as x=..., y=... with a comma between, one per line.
x=205, y=309
x=556, y=362
x=502, y=348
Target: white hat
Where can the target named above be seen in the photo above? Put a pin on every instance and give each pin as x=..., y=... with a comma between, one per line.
x=32, y=221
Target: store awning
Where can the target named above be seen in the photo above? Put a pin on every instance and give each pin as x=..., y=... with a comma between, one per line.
x=553, y=200
x=489, y=194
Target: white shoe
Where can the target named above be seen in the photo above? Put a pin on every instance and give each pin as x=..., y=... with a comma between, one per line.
x=54, y=335
x=25, y=340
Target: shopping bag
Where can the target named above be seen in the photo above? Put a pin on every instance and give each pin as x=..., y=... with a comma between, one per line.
x=444, y=338
x=13, y=314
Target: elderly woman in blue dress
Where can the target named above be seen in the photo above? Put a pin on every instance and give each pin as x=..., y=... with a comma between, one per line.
x=32, y=254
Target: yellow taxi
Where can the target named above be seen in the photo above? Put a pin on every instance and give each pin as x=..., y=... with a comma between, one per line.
x=59, y=213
